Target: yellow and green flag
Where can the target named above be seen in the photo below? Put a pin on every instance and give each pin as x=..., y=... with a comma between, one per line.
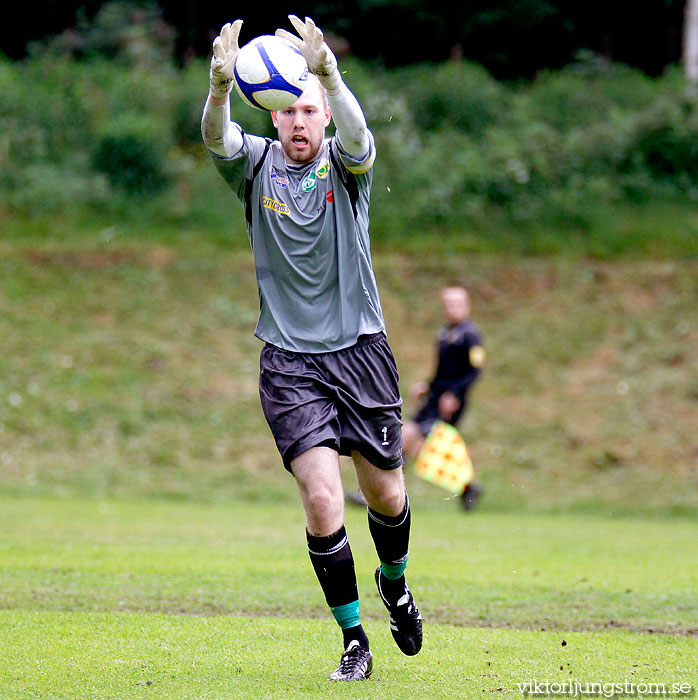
x=444, y=459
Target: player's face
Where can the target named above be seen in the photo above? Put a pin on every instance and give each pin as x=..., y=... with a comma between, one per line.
x=301, y=126
x=456, y=304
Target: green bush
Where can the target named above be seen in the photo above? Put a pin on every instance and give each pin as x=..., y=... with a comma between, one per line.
x=456, y=95
x=48, y=188
x=583, y=94
x=664, y=145
x=132, y=153
x=457, y=150
x=42, y=114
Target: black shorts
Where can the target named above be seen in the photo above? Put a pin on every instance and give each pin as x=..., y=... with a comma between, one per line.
x=348, y=399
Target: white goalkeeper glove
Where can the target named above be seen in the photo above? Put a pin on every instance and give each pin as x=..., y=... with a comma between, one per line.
x=318, y=55
x=225, y=51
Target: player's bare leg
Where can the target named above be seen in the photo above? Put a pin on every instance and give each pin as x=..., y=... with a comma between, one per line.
x=383, y=489
x=320, y=485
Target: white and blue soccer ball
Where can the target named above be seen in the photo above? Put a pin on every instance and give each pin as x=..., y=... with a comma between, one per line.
x=270, y=73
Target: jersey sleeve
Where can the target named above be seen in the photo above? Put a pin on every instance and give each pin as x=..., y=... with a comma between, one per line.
x=353, y=165
x=237, y=168
x=474, y=356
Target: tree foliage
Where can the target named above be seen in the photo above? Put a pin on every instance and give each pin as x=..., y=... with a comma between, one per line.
x=456, y=146
x=511, y=38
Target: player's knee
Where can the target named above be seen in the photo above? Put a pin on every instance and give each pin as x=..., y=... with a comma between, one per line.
x=389, y=499
x=322, y=502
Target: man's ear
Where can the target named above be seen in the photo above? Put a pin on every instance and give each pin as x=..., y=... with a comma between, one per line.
x=274, y=120
x=328, y=116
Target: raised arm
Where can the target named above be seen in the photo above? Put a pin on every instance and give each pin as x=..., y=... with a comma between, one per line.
x=220, y=135
x=346, y=111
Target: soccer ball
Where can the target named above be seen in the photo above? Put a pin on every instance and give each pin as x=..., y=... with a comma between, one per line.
x=270, y=73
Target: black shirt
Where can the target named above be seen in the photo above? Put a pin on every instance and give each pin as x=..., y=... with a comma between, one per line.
x=461, y=356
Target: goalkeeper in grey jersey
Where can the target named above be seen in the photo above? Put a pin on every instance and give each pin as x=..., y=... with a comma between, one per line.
x=328, y=381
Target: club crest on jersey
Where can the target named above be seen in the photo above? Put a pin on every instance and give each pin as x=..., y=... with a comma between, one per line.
x=309, y=182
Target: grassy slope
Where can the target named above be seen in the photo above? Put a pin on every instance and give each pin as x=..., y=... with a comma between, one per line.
x=130, y=369
x=506, y=599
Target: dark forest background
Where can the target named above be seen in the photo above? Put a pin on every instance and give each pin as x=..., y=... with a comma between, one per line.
x=511, y=38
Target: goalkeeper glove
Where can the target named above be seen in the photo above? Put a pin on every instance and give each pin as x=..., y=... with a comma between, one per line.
x=318, y=55
x=225, y=51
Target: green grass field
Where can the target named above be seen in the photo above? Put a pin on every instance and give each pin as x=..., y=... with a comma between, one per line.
x=151, y=545
x=106, y=599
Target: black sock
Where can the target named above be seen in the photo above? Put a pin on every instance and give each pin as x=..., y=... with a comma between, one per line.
x=333, y=563
x=393, y=589
x=355, y=633
x=391, y=536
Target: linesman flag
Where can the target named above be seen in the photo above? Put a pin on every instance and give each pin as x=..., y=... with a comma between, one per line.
x=444, y=459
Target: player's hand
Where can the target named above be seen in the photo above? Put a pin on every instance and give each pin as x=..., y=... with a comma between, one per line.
x=318, y=55
x=448, y=404
x=225, y=51
x=419, y=390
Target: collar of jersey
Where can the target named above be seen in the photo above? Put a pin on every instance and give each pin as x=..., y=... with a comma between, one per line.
x=280, y=162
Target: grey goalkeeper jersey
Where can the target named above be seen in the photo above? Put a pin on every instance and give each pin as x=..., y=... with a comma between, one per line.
x=308, y=228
